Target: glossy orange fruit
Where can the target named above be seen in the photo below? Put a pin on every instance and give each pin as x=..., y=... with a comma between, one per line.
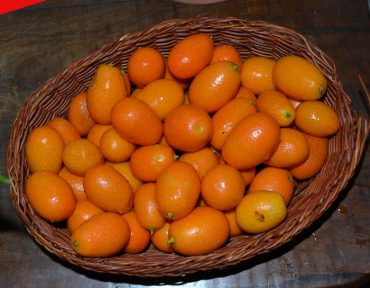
x=277, y=105
x=145, y=65
x=96, y=132
x=317, y=119
x=256, y=74
x=139, y=237
x=160, y=238
x=319, y=147
x=103, y=235
x=233, y=226
x=146, y=207
x=293, y=149
x=252, y=141
x=65, y=129
x=50, y=196
x=178, y=189
x=298, y=78
x=274, y=179
x=76, y=182
x=247, y=94
x=84, y=211
x=184, y=83
x=80, y=155
x=260, y=211
x=78, y=114
x=137, y=122
x=162, y=96
x=125, y=169
x=223, y=187
x=225, y=119
x=214, y=86
x=108, y=189
x=147, y=162
x=114, y=147
x=204, y=230
x=190, y=55
x=44, y=150
x=248, y=174
x=202, y=160
x=225, y=52
x=188, y=128
x=105, y=90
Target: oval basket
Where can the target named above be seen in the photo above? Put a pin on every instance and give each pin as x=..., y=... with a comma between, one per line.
x=311, y=198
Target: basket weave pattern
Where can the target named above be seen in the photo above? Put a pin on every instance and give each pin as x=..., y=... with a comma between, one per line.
x=259, y=38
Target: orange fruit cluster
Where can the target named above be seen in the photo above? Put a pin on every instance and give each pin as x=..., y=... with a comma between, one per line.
x=183, y=152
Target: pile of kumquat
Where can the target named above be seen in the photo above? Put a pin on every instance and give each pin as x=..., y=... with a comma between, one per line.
x=181, y=153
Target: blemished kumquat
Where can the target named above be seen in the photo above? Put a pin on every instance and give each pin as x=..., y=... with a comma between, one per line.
x=146, y=207
x=50, y=196
x=145, y=65
x=103, y=235
x=139, y=237
x=190, y=55
x=44, y=150
x=105, y=90
x=79, y=115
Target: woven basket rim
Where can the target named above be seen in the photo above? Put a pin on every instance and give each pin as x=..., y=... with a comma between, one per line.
x=347, y=146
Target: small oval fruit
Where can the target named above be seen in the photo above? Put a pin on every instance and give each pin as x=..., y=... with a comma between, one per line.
x=103, y=235
x=139, y=237
x=260, y=211
x=252, y=141
x=84, y=211
x=298, y=78
x=204, y=230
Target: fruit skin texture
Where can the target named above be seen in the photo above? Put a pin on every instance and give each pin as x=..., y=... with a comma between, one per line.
x=80, y=155
x=274, y=179
x=79, y=115
x=160, y=238
x=44, y=150
x=135, y=121
x=178, y=189
x=223, y=187
x=190, y=55
x=277, y=105
x=292, y=150
x=214, y=86
x=227, y=53
x=96, y=133
x=147, y=162
x=260, y=211
x=106, y=89
x=75, y=182
x=65, y=129
x=103, y=235
x=145, y=65
x=204, y=230
x=84, y=211
x=233, y=226
x=139, y=237
x=146, y=207
x=225, y=119
x=188, y=128
x=256, y=74
x=125, y=169
x=319, y=147
x=162, y=96
x=252, y=141
x=298, y=78
x=50, y=196
x=108, y=189
x=317, y=119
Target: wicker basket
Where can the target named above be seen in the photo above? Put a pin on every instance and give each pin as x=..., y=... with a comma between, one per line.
x=311, y=199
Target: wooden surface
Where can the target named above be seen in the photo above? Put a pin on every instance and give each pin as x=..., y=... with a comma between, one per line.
x=38, y=42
